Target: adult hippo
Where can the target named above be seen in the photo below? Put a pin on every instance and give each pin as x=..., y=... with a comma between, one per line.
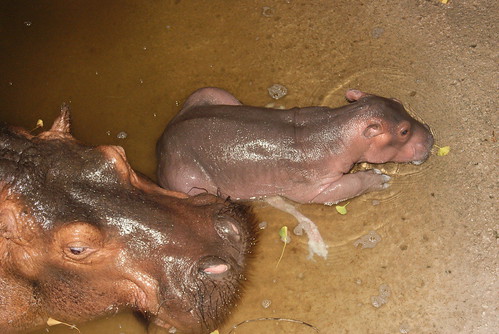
x=218, y=145
x=82, y=235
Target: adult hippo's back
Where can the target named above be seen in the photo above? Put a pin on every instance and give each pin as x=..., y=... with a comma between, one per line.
x=218, y=145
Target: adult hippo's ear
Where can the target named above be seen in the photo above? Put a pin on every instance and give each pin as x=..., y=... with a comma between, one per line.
x=116, y=154
x=7, y=226
x=61, y=128
x=12, y=226
x=17, y=238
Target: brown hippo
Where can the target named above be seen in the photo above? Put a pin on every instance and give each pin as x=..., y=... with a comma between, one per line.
x=82, y=235
x=216, y=144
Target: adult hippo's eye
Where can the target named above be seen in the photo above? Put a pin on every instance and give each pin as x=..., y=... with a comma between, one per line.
x=78, y=241
x=77, y=252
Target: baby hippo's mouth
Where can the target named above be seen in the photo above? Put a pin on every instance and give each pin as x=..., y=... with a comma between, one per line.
x=422, y=151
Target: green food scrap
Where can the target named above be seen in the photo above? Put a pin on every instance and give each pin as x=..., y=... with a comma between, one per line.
x=283, y=234
x=443, y=151
x=342, y=209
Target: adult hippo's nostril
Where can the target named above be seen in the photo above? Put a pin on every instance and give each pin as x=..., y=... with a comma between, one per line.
x=214, y=267
x=228, y=230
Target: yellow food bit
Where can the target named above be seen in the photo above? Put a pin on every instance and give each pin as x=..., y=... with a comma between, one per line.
x=215, y=332
x=443, y=151
x=444, y=1
x=342, y=209
x=53, y=322
x=39, y=123
x=283, y=233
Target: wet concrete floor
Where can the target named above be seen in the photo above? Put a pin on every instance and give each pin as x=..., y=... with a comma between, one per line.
x=126, y=66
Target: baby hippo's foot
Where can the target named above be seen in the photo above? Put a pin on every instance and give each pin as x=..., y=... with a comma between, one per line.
x=375, y=180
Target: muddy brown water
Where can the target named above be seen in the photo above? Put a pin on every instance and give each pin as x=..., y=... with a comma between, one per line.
x=126, y=66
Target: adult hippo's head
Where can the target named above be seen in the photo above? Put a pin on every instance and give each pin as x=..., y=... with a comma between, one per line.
x=82, y=235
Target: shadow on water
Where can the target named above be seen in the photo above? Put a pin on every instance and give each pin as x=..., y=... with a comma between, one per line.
x=125, y=67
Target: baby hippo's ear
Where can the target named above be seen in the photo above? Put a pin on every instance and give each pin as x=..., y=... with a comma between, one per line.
x=373, y=129
x=354, y=94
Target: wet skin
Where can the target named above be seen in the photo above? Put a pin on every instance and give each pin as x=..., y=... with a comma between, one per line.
x=216, y=144
x=82, y=235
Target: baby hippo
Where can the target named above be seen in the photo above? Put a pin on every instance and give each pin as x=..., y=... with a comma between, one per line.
x=218, y=145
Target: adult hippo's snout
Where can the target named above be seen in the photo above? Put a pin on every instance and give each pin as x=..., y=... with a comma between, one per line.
x=82, y=235
x=209, y=270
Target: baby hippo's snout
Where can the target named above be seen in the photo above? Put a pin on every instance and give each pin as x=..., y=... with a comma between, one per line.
x=422, y=145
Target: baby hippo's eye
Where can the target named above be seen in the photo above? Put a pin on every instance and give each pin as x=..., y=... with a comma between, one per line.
x=404, y=132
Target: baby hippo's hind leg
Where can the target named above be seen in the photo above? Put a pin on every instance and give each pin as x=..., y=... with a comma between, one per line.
x=210, y=96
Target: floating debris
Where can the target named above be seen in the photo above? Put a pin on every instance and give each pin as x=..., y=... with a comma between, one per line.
x=382, y=298
x=277, y=91
x=262, y=225
x=369, y=240
x=316, y=244
x=122, y=135
x=267, y=11
x=266, y=303
x=377, y=32
x=274, y=319
x=298, y=230
x=27, y=23
x=404, y=328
